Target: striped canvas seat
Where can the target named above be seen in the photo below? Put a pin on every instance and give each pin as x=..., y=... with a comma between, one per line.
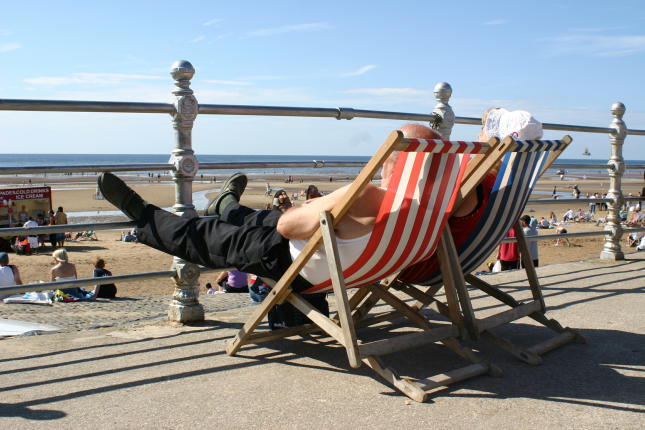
x=417, y=204
x=520, y=170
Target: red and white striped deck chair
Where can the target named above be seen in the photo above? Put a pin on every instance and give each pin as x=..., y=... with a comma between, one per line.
x=424, y=186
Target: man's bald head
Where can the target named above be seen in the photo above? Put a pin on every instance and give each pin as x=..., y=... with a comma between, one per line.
x=418, y=131
x=411, y=131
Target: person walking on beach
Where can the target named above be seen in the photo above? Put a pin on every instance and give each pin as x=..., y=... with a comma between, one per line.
x=530, y=231
x=554, y=191
x=61, y=219
x=330, y=179
x=9, y=274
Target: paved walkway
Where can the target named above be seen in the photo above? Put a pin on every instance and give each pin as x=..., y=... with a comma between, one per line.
x=114, y=312
x=151, y=374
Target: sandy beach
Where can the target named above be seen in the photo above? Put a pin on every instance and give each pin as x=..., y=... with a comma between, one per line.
x=75, y=195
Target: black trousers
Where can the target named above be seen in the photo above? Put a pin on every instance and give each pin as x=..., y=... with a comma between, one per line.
x=536, y=263
x=242, y=238
x=509, y=265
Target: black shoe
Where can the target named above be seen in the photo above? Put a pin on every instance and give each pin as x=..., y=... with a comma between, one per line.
x=234, y=185
x=120, y=195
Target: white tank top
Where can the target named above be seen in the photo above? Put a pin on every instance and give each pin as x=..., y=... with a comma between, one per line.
x=316, y=270
x=7, y=278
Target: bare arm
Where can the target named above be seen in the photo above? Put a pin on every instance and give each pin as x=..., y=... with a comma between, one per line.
x=303, y=221
x=221, y=276
x=16, y=276
x=52, y=278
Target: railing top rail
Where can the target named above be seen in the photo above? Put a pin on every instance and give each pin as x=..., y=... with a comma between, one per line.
x=157, y=167
x=215, y=109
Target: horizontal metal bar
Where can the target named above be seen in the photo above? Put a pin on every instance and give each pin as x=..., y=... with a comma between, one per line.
x=86, y=282
x=90, y=282
x=572, y=235
x=594, y=166
x=211, y=109
x=84, y=106
x=561, y=127
x=582, y=200
x=85, y=168
x=98, y=226
x=402, y=116
x=208, y=109
x=273, y=165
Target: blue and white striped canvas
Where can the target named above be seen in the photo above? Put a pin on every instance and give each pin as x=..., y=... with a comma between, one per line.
x=518, y=174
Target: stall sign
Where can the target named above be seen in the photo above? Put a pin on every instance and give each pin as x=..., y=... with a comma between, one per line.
x=18, y=194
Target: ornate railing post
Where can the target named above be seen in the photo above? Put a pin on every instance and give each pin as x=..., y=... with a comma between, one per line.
x=442, y=92
x=185, y=306
x=612, y=250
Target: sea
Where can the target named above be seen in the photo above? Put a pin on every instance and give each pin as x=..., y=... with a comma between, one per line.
x=52, y=160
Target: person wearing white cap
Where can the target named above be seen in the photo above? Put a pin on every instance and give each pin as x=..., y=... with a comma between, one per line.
x=9, y=274
x=519, y=124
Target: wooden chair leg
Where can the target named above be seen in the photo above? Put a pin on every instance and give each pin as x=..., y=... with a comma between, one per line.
x=530, y=355
x=340, y=293
x=277, y=295
x=531, y=274
x=450, y=265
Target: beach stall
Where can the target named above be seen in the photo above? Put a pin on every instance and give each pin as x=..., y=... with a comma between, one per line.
x=18, y=204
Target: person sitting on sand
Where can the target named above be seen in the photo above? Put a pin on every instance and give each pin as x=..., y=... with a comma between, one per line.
x=105, y=291
x=641, y=246
x=128, y=236
x=552, y=218
x=568, y=215
x=63, y=271
x=9, y=274
x=543, y=223
x=632, y=239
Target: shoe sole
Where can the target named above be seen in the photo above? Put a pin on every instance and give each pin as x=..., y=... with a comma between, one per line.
x=215, y=200
x=126, y=200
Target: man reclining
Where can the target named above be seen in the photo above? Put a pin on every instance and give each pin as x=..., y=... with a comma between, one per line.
x=260, y=242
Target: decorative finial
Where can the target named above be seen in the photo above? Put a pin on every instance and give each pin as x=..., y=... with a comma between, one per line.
x=618, y=109
x=443, y=91
x=182, y=72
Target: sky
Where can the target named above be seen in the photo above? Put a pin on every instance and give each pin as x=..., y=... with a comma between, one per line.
x=565, y=62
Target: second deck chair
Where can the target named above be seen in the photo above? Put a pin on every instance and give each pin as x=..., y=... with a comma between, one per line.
x=424, y=186
x=522, y=166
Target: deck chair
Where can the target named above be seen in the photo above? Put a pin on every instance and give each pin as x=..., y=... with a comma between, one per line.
x=634, y=221
x=88, y=235
x=424, y=187
x=522, y=166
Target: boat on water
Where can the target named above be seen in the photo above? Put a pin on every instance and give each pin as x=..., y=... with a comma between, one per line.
x=586, y=152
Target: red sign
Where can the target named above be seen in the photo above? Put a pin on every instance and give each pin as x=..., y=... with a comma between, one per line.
x=18, y=194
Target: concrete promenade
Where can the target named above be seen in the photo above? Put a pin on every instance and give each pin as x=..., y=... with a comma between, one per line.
x=127, y=368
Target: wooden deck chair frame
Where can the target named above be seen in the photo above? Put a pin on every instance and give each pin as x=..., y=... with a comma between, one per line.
x=534, y=309
x=342, y=327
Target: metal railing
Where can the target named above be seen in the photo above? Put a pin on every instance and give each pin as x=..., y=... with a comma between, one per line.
x=183, y=165
x=569, y=235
